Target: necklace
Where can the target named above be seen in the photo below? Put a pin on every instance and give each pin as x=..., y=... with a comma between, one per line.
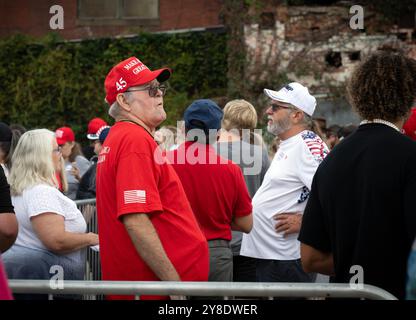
x=138, y=124
x=385, y=122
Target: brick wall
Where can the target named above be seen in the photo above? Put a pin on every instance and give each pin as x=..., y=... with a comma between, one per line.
x=32, y=18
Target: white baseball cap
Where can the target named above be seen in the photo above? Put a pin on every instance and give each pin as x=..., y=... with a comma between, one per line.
x=295, y=94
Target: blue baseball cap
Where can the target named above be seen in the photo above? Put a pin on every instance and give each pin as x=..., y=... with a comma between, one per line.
x=203, y=114
x=102, y=133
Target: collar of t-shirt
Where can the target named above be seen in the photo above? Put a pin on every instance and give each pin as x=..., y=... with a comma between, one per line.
x=199, y=145
x=196, y=149
x=137, y=124
x=287, y=142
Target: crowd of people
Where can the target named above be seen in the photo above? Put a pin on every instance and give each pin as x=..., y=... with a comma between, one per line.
x=207, y=200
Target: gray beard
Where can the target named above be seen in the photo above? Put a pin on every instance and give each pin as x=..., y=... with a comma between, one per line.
x=279, y=127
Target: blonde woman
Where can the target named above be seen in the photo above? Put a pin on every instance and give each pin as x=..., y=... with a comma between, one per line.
x=239, y=143
x=51, y=228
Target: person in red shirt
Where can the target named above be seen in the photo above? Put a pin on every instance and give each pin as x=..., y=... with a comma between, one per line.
x=5, y=292
x=215, y=186
x=147, y=229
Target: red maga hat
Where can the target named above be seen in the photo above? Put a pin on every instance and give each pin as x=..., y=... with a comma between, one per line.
x=128, y=73
x=93, y=126
x=64, y=135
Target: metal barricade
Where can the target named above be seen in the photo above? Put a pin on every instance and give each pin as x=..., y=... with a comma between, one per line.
x=225, y=289
x=92, y=264
x=93, y=288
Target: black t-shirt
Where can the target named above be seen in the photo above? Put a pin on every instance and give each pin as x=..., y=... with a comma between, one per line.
x=88, y=152
x=5, y=201
x=362, y=206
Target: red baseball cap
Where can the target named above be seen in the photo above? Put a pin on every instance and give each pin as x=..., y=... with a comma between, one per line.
x=128, y=73
x=64, y=134
x=409, y=127
x=93, y=126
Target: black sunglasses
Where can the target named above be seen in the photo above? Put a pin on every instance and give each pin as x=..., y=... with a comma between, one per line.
x=276, y=107
x=153, y=90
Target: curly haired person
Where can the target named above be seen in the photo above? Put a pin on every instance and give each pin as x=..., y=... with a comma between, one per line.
x=360, y=211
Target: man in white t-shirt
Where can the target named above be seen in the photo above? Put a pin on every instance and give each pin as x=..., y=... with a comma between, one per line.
x=279, y=202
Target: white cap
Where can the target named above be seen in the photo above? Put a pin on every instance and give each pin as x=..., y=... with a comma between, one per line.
x=295, y=94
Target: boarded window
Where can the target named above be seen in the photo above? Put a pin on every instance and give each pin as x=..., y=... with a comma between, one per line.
x=354, y=55
x=407, y=19
x=333, y=59
x=267, y=20
x=101, y=9
x=141, y=9
x=118, y=12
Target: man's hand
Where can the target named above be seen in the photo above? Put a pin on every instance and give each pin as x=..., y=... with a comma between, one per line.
x=75, y=171
x=288, y=223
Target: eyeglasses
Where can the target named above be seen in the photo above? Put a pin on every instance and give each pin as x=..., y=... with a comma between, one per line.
x=276, y=107
x=153, y=90
x=58, y=150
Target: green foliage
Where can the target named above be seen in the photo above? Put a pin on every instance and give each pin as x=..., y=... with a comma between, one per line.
x=50, y=83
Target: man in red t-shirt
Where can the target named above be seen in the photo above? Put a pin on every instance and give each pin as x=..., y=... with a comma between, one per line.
x=214, y=186
x=146, y=226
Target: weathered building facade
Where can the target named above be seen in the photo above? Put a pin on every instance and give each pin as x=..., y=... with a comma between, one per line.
x=316, y=46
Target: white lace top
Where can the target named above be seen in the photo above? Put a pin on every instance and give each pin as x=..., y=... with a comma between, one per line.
x=40, y=199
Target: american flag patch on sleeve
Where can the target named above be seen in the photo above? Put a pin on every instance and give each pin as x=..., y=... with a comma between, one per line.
x=134, y=196
x=315, y=145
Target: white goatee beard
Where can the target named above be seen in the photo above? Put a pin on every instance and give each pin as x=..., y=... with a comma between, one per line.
x=279, y=127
